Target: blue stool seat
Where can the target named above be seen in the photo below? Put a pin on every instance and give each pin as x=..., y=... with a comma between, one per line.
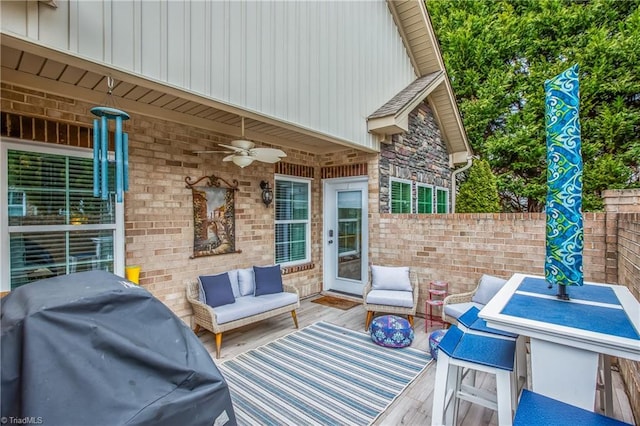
x=535, y=409
x=459, y=352
x=391, y=331
x=471, y=321
x=478, y=349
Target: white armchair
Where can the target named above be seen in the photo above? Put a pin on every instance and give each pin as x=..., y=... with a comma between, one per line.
x=455, y=305
x=392, y=290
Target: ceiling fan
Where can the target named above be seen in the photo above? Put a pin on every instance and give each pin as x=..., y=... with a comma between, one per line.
x=243, y=152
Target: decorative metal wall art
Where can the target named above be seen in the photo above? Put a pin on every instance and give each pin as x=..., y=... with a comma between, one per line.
x=213, y=215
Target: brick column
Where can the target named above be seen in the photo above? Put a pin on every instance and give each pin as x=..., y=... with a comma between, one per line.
x=623, y=249
x=616, y=202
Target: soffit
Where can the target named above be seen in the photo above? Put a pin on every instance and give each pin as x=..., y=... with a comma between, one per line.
x=34, y=66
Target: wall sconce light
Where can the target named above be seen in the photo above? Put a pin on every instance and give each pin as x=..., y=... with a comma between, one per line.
x=267, y=193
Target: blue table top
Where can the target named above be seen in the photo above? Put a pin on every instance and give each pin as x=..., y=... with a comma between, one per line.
x=606, y=317
x=590, y=293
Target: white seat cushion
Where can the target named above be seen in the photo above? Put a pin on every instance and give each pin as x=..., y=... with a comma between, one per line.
x=456, y=309
x=246, y=306
x=402, y=299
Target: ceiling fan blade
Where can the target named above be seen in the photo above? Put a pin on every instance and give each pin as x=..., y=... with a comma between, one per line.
x=267, y=152
x=233, y=148
x=267, y=159
x=209, y=152
x=229, y=157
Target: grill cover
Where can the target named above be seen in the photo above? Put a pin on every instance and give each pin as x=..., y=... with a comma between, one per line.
x=92, y=348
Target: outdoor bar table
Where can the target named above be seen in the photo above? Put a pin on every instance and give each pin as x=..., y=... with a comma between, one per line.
x=567, y=337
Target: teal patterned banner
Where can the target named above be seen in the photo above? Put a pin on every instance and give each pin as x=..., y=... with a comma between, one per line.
x=564, y=242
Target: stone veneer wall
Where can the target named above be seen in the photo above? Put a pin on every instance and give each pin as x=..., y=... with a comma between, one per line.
x=418, y=155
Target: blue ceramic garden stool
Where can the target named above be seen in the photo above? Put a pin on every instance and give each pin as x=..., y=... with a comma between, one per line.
x=434, y=340
x=391, y=331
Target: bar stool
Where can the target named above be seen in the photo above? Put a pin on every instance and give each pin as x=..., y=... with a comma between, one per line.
x=458, y=351
x=535, y=409
x=469, y=322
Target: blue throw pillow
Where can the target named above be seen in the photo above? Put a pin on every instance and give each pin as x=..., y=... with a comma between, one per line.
x=217, y=290
x=268, y=280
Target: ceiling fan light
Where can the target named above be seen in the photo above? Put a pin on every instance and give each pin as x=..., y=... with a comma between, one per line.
x=242, y=160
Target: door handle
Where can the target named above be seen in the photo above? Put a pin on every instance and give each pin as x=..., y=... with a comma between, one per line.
x=330, y=241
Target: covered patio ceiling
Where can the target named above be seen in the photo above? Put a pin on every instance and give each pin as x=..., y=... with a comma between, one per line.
x=33, y=66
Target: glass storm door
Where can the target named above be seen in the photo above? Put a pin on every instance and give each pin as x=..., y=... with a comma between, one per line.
x=345, y=236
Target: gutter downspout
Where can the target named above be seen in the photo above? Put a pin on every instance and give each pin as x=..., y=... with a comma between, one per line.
x=454, y=179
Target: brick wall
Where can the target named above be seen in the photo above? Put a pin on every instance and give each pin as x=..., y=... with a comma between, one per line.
x=623, y=209
x=158, y=206
x=459, y=248
x=629, y=275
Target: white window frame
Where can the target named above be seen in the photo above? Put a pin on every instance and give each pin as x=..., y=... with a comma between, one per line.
x=7, y=144
x=433, y=199
x=307, y=258
x=404, y=181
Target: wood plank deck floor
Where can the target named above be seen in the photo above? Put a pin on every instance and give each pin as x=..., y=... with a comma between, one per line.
x=413, y=406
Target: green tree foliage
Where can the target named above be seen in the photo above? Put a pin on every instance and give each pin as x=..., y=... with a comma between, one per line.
x=479, y=192
x=500, y=52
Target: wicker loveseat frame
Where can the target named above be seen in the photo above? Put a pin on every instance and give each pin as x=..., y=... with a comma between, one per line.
x=204, y=316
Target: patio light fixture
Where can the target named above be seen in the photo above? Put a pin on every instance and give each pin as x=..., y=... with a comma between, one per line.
x=267, y=193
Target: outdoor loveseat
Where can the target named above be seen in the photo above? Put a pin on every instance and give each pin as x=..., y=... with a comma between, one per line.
x=239, y=297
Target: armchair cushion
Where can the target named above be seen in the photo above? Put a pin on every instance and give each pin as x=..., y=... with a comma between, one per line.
x=216, y=290
x=246, y=281
x=402, y=299
x=487, y=288
x=390, y=278
x=268, y=280
x=456, y=310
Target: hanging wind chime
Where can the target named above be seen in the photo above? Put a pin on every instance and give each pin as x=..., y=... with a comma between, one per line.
x=101, y=148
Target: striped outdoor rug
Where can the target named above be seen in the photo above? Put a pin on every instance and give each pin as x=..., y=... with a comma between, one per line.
x=320, y=375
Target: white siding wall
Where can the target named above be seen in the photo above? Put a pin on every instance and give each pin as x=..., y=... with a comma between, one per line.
x=324, y=65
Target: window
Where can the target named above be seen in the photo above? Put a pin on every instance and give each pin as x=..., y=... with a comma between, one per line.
x=425, y=198
x=55, y=225
x=400, y=198
x=442, y=200
x=292, y=221
x=349, y=223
